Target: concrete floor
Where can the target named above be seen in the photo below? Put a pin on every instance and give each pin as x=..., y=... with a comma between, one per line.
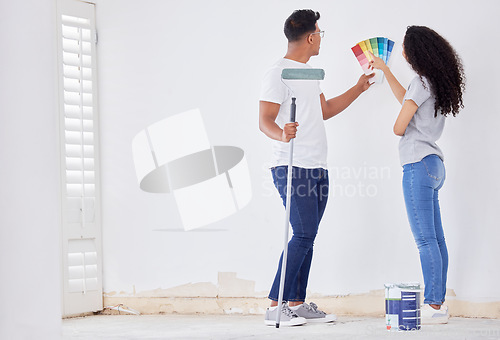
x=252, y=327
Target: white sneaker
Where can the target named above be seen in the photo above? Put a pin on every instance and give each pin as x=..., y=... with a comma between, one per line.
x=312, y=314
x=287, y=318
x=431, y=316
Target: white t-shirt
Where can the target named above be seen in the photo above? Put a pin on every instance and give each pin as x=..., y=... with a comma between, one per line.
x=310, y=146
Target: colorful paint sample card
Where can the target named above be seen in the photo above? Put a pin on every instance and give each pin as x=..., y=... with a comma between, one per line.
x=380, y=47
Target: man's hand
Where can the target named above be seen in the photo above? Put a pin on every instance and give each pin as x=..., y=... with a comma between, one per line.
x=289, y=132
x=364, y=83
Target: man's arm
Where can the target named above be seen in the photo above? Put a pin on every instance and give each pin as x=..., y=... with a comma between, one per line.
x=267, y=123
x=334, y=106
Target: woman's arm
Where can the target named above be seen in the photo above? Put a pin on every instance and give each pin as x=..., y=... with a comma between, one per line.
x=405, y=115
x=398, y=90
x=409, y=106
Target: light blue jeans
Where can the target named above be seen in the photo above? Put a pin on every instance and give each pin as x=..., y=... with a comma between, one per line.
x=307, y=205
x=421, y=184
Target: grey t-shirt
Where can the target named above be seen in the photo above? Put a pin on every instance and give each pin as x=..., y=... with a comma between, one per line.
x=419, y=139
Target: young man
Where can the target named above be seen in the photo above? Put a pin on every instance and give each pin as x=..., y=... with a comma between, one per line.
x=310, y=174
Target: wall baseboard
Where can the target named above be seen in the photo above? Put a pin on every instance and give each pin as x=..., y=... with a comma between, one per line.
x=369, y=304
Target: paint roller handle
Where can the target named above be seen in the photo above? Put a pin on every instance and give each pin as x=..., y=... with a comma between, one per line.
x=293, y=109
x=290, y=128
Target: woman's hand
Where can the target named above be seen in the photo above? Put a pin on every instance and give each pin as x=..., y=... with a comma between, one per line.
x=377, y=62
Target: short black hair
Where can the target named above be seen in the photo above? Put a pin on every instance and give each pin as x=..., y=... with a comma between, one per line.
x=299, y=23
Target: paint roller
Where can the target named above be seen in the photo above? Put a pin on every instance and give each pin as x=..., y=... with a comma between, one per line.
x=303, y=74
x=292, y=74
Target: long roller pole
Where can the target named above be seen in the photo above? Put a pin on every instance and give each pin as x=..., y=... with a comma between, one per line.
x=287, y=218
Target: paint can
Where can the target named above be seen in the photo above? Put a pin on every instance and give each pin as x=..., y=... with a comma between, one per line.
x=402, y=306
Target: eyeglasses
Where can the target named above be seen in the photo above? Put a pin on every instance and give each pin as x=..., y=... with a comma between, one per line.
x=321, y=33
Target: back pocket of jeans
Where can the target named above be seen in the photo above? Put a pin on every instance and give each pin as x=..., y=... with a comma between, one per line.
x=434, y=168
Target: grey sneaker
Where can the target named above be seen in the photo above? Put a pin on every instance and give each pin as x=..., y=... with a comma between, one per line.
x=312, y=314
x=287, y=318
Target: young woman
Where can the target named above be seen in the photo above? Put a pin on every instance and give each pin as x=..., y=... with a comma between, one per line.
x=432, y=95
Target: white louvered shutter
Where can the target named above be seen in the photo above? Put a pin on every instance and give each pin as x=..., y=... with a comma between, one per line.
x=81, y=234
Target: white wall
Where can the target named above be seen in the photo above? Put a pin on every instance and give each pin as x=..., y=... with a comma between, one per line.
x=30, y=271
x=159, y=58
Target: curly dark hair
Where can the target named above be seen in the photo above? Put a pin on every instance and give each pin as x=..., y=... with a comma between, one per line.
x=432, y=57
x=299, y=23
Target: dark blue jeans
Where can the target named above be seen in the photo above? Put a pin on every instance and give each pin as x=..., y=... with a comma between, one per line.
x=308, y=202
x=421, y=184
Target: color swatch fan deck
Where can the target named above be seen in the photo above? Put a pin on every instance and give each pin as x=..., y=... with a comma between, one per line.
x=380, y=47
